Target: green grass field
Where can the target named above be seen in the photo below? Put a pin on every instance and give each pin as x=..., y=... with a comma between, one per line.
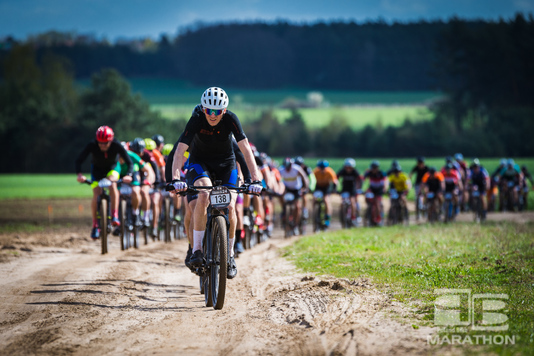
x=175, y=100
x=171, y=91
x=42, y=186
x=409, y=263
x=357, y=117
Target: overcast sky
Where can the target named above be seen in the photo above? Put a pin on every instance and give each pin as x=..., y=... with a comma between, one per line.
x=139, y=18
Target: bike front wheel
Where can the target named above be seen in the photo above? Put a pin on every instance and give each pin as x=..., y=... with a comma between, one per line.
x=104, y=225
x=219, y=267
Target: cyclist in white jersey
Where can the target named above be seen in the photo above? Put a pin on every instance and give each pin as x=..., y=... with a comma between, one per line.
x=295, y=182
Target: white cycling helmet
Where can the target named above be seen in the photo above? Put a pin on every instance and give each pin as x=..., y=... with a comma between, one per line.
x=349, y=162
x=214, y=98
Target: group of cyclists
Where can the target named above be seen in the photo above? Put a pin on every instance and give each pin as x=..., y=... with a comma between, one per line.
x=213, y=146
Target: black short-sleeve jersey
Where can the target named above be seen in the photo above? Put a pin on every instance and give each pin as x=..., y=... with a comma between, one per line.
x=212, y=142
x=104, y=161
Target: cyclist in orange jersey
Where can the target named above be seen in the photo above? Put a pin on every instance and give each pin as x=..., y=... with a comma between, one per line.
x=434, y=182
x=326, y=182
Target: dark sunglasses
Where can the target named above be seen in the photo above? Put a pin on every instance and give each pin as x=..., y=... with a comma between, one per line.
x=209, y=112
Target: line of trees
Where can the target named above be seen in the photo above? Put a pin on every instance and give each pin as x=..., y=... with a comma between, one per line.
x=337, y=55
x=485, y=69
x=45, y=121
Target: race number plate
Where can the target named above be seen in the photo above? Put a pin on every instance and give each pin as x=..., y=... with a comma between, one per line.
x=289, y=197
x=220, y=198
x=126, y=190
x=318, y=194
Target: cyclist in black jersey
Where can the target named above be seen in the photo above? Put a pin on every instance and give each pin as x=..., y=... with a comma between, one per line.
x=351, y=183
x=300, y=161
x=208, y=137
x=191, y=199
x=419, y=169
x=105, y=151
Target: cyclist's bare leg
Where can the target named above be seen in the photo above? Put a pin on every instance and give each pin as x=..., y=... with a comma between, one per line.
x=114, y=198
x=156, y=204
x=298, y=212
x=145, y=198
x=233, y=222
x=258, y=206
x=239, y=216
x=246, y=200
x=268, y=205
x=200, y=213
x=178, y=202
x=327, y=203
x=188, y=220
x=304, y=201
x=136, y=197
x=354, y=206
x=94, y=202
x=145, y=202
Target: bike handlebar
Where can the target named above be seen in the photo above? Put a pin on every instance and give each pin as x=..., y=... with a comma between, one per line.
x=195, y=189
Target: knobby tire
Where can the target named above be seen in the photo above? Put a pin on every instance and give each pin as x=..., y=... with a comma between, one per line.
x=104, y=225
x=219, y=270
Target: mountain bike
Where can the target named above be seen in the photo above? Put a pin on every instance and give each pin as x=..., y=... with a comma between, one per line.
x=319, y=211
x=172, y=220
x=448, y=207
x=129, y=231
x=253, y=233
x=102, y=211
x=508, y=202
x=215, y=244
x=432, y=203
x=420, y=207
x=476, y=204
x=345, y=211
x=290, y=210
x=372, y=215
x=398, y=212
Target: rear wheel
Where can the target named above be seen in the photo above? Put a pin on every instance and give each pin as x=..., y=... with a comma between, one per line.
x=218, y=271
x=343, y=216
x=317, y=217
x=167, y=220
x=475, y=202
x=145, y=232
x=123, y=228
x=104, y=225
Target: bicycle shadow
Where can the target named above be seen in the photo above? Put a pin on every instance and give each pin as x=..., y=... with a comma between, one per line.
x=141, y=295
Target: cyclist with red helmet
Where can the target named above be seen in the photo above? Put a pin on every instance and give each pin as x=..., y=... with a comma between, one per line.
x=105, y=151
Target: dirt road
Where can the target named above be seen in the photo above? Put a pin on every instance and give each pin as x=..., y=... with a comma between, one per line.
x=60, y=296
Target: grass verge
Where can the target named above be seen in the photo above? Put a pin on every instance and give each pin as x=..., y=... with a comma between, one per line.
x=411, y=263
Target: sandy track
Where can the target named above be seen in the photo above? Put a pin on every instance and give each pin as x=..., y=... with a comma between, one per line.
x=71, y=300
x=60, y=296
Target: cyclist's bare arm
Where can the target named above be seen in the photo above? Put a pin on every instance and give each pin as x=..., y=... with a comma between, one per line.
x=249, y=158
x=304, y=177
x=178, y=160
x=150, y=175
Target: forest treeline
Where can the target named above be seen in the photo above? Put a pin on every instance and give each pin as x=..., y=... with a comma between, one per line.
x=485, y=70
x=337, y=55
